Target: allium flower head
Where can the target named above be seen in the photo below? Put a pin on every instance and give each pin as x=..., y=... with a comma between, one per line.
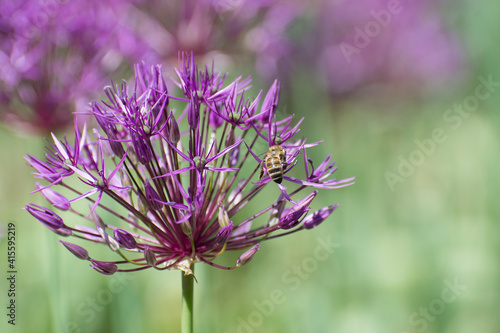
x=251, y=31
x=180, y=178
x=55, y=55
x=361, y=42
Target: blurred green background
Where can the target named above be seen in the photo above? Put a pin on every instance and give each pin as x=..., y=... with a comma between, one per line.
x=398, y=247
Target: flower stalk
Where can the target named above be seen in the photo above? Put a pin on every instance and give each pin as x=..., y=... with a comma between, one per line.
x=187, y=302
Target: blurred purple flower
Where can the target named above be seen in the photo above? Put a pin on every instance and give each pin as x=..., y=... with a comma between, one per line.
x=55, y=55
x=229, y=31
x=54, y=58
x=357, y=43
x=188, y=201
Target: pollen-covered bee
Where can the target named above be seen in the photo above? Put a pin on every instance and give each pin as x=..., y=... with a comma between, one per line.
x=275, y=163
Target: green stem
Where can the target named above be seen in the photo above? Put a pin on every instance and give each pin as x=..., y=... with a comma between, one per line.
x=55, y=284
x=187, y=302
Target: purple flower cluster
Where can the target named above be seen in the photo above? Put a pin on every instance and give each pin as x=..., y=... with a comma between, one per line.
x=358, y=43
x=54, y=55
x=234, y=31
x=166, y=188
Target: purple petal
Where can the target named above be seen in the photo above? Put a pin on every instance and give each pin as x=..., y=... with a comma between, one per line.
x=56, y=199
x=78, y=251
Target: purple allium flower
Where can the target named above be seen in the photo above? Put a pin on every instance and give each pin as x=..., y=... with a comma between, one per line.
x=187, y=186
x=357, y=43
x=243, y=31
x=56, y=55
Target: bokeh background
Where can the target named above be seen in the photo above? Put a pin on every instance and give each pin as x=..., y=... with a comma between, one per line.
x=396, y=89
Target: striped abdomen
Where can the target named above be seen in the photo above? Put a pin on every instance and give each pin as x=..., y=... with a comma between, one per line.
x=274, y=168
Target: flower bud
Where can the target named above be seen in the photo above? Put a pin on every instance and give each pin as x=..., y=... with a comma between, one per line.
x=314, y=219
x=246, y=257
x=142, y=149
x=116, y=147
x=193, y=114
x=105, y=268
x=223, y=217
x=78, y=251
x=276, y=212
x=174, y=134
x=215, y=120
x=56, y=199
x=125, y=239
x=143, y=205
x=186, y=228
x=152, y=197
x=292, y=219
x=46, y=216
x=112, y=243
x=146, y=129
x=65, y=232
x=150, y=256
x=224, y=234
x=270, y=102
